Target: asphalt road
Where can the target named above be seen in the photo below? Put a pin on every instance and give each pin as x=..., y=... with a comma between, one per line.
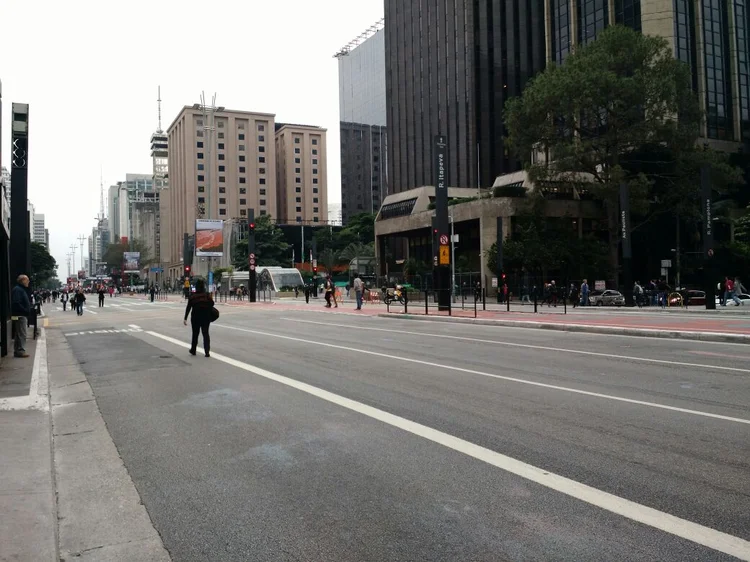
x=313, y=436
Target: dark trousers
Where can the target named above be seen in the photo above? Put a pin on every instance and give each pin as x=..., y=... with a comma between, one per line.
x=79, y=308
x=197, y=328
x=101, y=300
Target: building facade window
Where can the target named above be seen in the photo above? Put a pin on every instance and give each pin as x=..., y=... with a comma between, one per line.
x=200, y=166
x=222, y=201
x=221, y=146
x=262, y=202
x=241, y=148
x=298, y=170
x=628, y=13
x=222, y=179
x=261, y=149
x=201, y=189
x=243, y=201
x=296, y=140
x=299, y=200
x=222, y=190
x=261, y=127
x=741, y=18
x=297, y=180
x=243, y=190
x=261, y=138
x=199, y=156
x=315, y=141
x=297, y=151
x=262, y=159
x=262, y=181
x=242, y=157
x=221, y=157
x=718, y=97
x=201, y=178
x=261, y=170
x=297, y=161
x=220, y=135
x=242, y=169
x=243, y=212
x=262, y=191
x=243, y=180
x=199, y=144
x=222, y=168
x=222, y=212
x=201, y=199
x=560, y=10
x=241, y=136
x=593, y=17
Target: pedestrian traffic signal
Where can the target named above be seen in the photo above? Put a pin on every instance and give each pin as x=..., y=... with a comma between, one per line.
x=251, y=228
x=187, y=271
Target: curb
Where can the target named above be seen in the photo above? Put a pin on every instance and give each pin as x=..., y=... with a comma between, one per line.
x=585, y=328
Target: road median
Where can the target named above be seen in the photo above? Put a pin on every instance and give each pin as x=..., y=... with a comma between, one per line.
x=694, y=335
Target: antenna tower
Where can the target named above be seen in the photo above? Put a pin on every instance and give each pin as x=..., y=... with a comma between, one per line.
x=158, y=101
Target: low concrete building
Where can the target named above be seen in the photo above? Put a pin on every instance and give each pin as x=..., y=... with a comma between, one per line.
x=403, y=227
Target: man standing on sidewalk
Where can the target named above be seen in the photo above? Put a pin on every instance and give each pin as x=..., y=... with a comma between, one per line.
x=20, y=312
x=358, y=289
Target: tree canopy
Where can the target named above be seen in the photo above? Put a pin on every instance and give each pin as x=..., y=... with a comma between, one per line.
x=270, y=247
x=113, y=256
x=43, y=265
x=620, y=109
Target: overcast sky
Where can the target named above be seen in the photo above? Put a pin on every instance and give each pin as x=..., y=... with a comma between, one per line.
x=90, y=69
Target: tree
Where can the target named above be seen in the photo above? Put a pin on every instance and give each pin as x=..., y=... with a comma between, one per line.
x=43, y=265
x=113, y=256
x=270, y=247
x=357, y=249
x=616, y=96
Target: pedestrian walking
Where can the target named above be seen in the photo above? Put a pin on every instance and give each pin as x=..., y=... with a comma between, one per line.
x=152, y=292
x=80, y=299
x=200, y=308
x=101, y=296
x=585, y=293
x=20, y=312
x=358, y=287
x=64, y=298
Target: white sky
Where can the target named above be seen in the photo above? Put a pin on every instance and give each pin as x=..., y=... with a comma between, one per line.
x=90, y=71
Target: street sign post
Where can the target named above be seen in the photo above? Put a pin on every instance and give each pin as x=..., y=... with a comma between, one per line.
x=442, y=273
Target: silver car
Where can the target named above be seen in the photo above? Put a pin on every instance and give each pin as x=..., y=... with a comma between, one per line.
x=607, y=298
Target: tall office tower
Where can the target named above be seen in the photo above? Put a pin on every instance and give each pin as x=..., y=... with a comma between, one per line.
x=363, y=117
x=236, y=173
x=452, y=65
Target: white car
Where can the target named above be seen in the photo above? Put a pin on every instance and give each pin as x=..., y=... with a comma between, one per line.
x=744, y=299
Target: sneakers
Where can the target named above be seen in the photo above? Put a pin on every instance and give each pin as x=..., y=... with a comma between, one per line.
x=208, y=355
x=21, y=355
x=192, y=352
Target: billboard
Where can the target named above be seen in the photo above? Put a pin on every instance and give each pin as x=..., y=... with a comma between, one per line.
x=209, y=238
x=81, y=274
x=130, y=262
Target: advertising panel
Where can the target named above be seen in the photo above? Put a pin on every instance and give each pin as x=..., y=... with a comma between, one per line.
x=209, y=238
x=130, y=262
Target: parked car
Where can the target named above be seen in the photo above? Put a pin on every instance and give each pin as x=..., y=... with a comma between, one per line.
x=688, y=297
x=744, y=299
x=609, y=297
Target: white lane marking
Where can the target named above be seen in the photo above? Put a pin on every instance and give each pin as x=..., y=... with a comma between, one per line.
x=671, y=524
x=500, y=377
x=90, y=311
x=587, y=334
x=134, y=326
x=531, y=346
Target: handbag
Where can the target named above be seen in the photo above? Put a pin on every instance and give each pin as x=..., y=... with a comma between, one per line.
x=214, y=315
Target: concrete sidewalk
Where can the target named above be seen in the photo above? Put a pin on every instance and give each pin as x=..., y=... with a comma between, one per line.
x=64, y=491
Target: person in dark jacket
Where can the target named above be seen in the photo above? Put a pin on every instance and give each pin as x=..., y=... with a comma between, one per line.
x=101, y=292
x=20, y=311
x=201, y=305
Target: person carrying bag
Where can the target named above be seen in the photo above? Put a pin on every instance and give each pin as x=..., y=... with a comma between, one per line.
x=201, y=305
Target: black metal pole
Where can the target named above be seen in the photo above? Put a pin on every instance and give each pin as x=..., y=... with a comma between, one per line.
x=252, y=277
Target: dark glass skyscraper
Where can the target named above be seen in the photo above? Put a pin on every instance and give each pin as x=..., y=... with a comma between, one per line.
x=452, y=64
x=362, y=115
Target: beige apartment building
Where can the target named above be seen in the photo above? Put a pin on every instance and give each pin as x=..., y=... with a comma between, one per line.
x=237, y=174
x=301, y=174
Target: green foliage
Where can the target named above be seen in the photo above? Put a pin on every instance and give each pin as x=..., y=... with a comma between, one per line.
x=43, y=265
x=616, y=96
x=357, y=235
x=220, y=271
x=270, y=247
x=414, y=266
x=357, y=249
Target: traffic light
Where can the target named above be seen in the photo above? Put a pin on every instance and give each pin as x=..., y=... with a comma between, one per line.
x=251, y=228
x=315, y=270
x=187, y=271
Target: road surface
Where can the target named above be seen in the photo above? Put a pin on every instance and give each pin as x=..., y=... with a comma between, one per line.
x=311, y=436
